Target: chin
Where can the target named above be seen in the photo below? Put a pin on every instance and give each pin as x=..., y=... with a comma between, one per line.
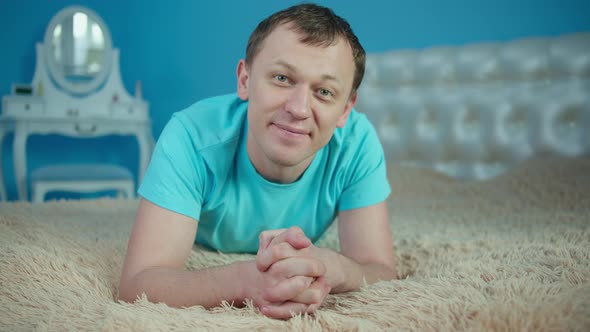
x=283, y=157
x=286, y=161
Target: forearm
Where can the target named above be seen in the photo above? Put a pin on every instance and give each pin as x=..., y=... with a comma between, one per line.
x=179, y=288
x=345, y=275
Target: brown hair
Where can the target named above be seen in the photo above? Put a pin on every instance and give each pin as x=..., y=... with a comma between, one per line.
x=320, y=26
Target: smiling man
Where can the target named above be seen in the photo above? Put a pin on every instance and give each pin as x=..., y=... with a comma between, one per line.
x=267, y=171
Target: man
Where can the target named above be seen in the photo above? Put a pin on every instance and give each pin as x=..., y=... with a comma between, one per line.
x=266, y=172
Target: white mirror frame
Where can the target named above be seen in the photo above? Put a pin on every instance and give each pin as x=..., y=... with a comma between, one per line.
x=54, y=70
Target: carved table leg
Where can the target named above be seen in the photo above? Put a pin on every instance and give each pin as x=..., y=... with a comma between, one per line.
x=3, y=195
x=20, y=161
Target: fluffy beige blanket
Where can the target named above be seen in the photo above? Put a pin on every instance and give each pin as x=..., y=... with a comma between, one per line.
x=512, y=253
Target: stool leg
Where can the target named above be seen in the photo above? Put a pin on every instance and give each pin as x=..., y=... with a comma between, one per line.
x=120, y=193
x=129, y=191
x=38, y=193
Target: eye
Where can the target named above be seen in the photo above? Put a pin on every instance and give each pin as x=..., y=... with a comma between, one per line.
x=281, y=78
x=325, y=93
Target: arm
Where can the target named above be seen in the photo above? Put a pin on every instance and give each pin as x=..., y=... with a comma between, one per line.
x=160, y=243
x=366, y=250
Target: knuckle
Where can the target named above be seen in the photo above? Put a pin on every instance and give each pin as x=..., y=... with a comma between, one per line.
x=320, y=269
x=276, y=270
x=270, y=296
x=317, y=268
x=314, y=269
x=302, y=282
x=316, y=296
x=295, y=229
x=280, y=250
x=276, y=251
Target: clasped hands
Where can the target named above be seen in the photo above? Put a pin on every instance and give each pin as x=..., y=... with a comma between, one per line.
x=290, y=274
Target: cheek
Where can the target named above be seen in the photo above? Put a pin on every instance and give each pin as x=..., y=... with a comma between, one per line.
x=266, y=98
x=327, y=118
x=325, y=126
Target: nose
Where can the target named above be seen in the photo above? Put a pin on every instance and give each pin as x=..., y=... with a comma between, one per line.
x=298, y=103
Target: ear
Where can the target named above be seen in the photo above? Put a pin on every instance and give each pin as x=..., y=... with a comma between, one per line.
x=347, y=109
x=243, y=75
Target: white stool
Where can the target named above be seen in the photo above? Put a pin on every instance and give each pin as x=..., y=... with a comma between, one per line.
x=81, y=178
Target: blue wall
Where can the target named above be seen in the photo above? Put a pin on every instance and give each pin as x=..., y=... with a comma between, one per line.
x=189, y=51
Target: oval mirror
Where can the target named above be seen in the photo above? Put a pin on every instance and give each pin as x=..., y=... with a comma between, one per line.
x=78, y=49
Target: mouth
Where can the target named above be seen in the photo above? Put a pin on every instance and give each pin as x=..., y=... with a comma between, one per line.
x=291, y=130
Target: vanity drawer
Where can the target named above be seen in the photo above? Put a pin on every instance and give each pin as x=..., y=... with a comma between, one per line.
x=22, y=107
x=133, y=110
x=79, y=128
x=88, y=129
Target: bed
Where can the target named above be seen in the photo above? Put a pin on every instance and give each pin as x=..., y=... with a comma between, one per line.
x=487, y=149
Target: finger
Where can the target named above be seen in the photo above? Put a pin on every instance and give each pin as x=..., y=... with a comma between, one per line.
x=284, y=310
x=273, y=254
x=265, y=237
x=282, y=246
x=298, y=266
x=287, y=289
x=294, y=236
x=315, y=294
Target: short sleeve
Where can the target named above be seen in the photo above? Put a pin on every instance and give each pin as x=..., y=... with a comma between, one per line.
x=366, y=177
x=175, y=178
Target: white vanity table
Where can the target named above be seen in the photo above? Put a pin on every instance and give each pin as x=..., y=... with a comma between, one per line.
x=76, y=91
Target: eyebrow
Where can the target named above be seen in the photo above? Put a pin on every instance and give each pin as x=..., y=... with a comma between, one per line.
x=290, y=67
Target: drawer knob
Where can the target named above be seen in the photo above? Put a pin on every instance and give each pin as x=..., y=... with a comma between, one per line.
x=85, y=130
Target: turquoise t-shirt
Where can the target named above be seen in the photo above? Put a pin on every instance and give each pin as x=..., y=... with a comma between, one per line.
x=200, y=168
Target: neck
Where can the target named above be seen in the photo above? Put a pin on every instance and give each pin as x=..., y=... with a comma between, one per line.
x=271, y=170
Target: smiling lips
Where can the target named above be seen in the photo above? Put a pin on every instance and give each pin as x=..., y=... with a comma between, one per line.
x=291, y=130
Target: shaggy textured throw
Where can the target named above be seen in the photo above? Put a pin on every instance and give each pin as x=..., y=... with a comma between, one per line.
x=512, y=253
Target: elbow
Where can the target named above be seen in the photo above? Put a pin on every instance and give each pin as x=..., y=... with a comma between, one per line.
x=390, y=273
x=125, y=294
x=390, y=270
x=128, y=290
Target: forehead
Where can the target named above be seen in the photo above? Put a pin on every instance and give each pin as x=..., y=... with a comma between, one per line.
x=284, y=44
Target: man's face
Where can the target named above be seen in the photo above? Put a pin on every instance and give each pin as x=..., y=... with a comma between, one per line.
x=298, y=94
